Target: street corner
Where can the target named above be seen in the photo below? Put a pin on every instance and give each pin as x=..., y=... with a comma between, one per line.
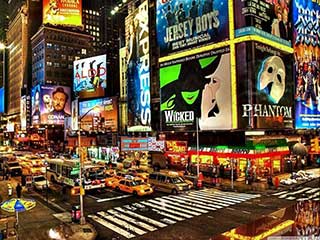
x=73, y=231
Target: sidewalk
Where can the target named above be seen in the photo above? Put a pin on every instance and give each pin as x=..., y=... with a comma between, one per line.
x=36, y=223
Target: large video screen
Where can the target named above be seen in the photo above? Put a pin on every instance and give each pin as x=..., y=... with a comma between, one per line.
x=196, y=87
x=90, y=76
x=268, y=18
x=62, y=12
x=99, y=114
x=265, y=100
x=138, y=70
x=187, y=24
x=35, y=105
x=23, y=112
x=307, y=63
x=2, y=100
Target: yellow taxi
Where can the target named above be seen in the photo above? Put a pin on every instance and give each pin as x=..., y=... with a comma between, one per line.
x=110, y=179
x=135, y=186
x=137, y=172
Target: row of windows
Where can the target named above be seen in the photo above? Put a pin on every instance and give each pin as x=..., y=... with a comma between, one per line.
x=92, y=27
x=91, y=12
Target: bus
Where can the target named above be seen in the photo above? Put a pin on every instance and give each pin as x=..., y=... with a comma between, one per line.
x=66, y=171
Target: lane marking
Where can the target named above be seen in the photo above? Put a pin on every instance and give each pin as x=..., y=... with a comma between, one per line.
x=113, y=198
x=170, y=211
x=167, y=205
x=180, y=205
x=190, y=203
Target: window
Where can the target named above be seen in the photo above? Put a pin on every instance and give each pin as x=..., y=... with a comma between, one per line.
x=162, y=178
x=153, y=176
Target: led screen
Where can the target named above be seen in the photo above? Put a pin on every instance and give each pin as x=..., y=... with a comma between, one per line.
x=138, y=71
x=23, y=112
x=62, y=12
x=90, y=76
x=99, y=114
x=307, y=61
x=268, y=18
x=194, y=87
x=266, y=100
x=186, y=24
x=2, y=100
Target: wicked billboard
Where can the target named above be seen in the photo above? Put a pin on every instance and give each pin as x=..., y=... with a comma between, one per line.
x=264, y=86
x=196, y=87
x=62, y=12
x=90, y=76
x=306, y=39
x=138, y=71
x=99, y=114
x=187, y=24
x=268, y=18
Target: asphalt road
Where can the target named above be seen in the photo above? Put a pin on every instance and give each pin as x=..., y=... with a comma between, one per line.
x=198, y=214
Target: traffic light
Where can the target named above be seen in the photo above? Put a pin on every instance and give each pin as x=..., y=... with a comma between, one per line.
x=75, y=191
x=315, y=144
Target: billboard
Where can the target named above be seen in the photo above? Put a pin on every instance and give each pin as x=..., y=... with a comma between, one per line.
x=90, y=76
x=62, y=12
x=35, y=105
x=138, y=71
x=306, y=43
x=2, y=100
x=134, y=144
x=196, y=87
x=23, y=112
x=74, y=115
x=187, y=24
x=265, y=100
x=268, y=18
x=99, y=114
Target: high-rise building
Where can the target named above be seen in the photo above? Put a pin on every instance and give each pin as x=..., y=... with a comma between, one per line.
x=54, y=51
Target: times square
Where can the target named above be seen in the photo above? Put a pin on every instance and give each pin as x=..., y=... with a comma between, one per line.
x=159, y=119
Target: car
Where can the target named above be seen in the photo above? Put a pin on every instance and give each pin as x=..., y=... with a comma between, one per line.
x=134, y=186
x=119, y=176
x=139, y=173
x=169, y=182
x=40, y=182
x=13, y=168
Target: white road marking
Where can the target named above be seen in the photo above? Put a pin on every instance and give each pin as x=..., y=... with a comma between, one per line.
x=170, y=211
x=222, y=198
x=111, y=226
x=203, y=201
x=180, y=205
x=114, y=198
x=200, y=206
x=279, y=193
x=168, y=205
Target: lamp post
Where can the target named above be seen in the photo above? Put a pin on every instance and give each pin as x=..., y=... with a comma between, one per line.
x=46, y=165
x=80, y=152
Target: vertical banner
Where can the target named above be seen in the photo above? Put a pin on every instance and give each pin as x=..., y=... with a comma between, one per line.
x=187, y=24
x=2, y=103
x=138, y=72
x=268, y=18
x=35, y=101
x=307, y=62
x=23, y=113
x=197, y=86
x=266, y=101
x=74, y=115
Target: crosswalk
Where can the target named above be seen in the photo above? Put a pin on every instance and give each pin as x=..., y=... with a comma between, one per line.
x=306, y=193
x=139, y=218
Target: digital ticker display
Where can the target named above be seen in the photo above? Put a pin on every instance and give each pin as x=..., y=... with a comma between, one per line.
x=187, y=24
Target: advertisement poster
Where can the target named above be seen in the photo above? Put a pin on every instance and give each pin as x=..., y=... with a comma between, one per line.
x=134, y=144
x=266, y=102
x=1, y=100
x=35, y=103
x=62, y=12
x=74, y=115
x=99, y=114
x=196, y=87
x=55, y=104
x=23, y=113
x=268, y=18
x=90, y=76
x=138, y=71
x=307, y=62
x=187, y=24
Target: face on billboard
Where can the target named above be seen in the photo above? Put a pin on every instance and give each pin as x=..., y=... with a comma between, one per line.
x=198, y=87
x=138, y=69
x=271, y=96
x=270, y=16
x=185, y=24
x=90, y=76
x=35, y=105
x=62, y=12
x=99, y=113
x=55, y=104
x=307, y=67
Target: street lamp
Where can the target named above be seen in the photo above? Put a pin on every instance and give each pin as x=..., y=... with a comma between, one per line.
x=80, y=152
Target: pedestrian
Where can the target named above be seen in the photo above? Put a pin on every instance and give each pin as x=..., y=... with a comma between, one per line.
x=18, y=189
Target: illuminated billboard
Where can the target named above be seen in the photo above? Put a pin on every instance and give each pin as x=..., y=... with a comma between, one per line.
x=62, y=12
x=138, y=71
x=1, y=100
x=99, y=114
x=267, y=18
x=50, y=104
x=306, y=43
x=265, y=93
x=90, y=76
x=187, y=24
x=23, y=112
x=196, y=87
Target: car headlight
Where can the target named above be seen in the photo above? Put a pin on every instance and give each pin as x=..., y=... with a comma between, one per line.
x=141, y=190
x=180, y=188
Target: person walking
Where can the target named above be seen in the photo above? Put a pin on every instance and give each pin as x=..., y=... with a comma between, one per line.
x=18, y=190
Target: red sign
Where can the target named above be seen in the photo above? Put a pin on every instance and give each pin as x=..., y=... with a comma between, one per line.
x=176, y=146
